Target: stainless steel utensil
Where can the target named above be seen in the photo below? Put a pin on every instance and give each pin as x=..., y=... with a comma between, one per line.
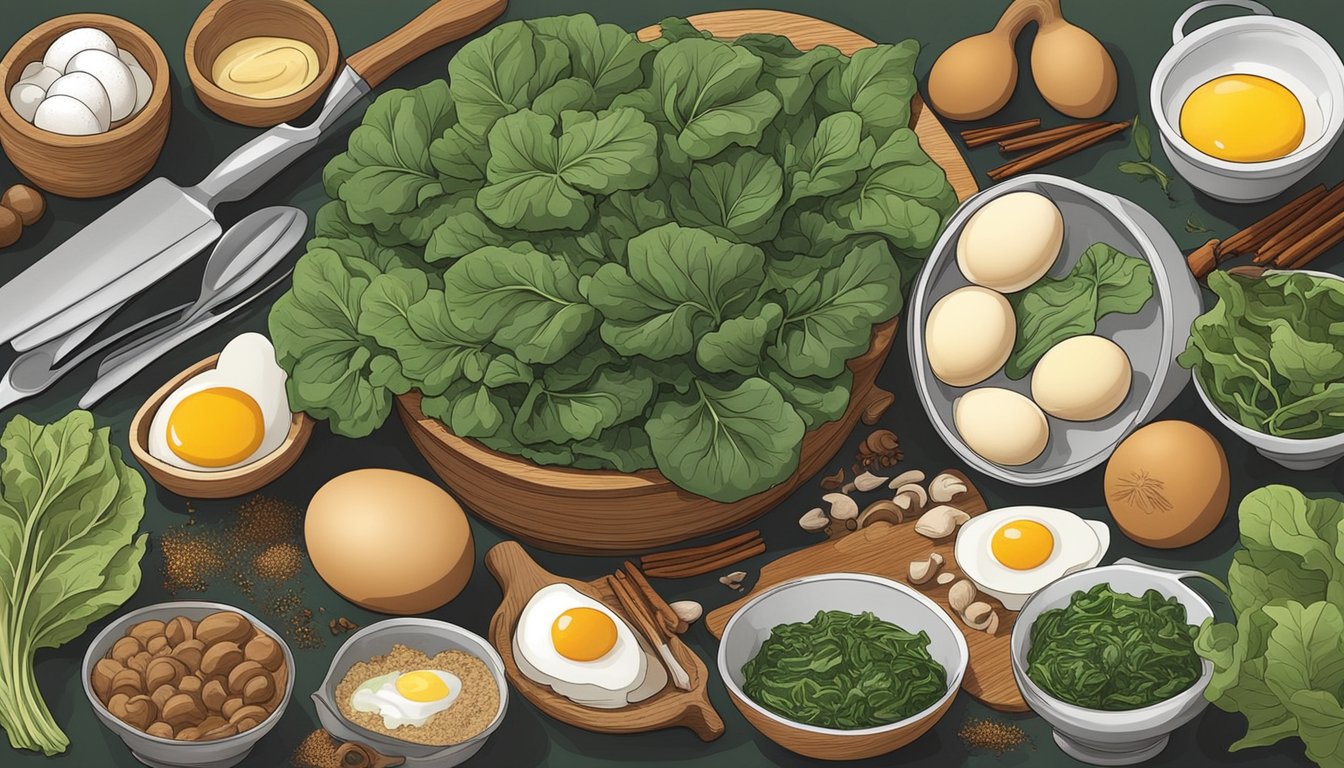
x=258, y=241
x=161, y=226
x=122, y=372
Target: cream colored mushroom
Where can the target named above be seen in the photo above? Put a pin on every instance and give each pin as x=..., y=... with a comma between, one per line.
x=842, y=506
x=916, y=490
x=868, y=482
x=906, y=478
x=978, y=615
x=814, y=520
x=993, y=627
x=923, y=570
x=945, y=578
x=946, y=487
x=940, y=522
x=961, y=595
x=882, y=510
x=688, y=611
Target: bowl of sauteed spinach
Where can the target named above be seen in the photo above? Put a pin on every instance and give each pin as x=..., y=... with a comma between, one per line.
x=1268, y=362
x=842, y=666
x=1107, y=657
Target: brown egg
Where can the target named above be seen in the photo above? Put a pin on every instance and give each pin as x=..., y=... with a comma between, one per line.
x=1072, y=69
x=389, y=541
x=1167, y=484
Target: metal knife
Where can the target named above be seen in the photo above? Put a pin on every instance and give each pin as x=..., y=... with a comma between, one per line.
x=162, y=225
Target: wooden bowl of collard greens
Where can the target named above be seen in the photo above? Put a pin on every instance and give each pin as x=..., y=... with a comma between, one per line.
x=611, y=321
x=1119, y=275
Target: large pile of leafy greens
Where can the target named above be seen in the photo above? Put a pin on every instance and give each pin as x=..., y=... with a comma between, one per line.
x=1282, y=663
x=69, y=555
x=593, y=251
x=844, y=671
x=1270, y=354
x=1113, y=651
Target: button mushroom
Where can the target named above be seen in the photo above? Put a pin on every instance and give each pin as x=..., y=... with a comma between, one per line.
x=882, y=510
x=946, y=487
x=980, y=616
x=916, y=490
x=940, y=522
x=961, y=595
x=923, y=570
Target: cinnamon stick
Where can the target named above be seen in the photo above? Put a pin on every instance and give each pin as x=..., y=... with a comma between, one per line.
x=1204, y=259
x=655, y=601
x=717, y=562
x=1041, y=138
x=977, y=137
x=1313, y=244
x=1252, y=238
x=1309, y=221
x=697, y=553
x=643, y=621
x=1056, y=151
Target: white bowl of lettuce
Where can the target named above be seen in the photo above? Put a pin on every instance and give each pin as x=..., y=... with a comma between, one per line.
x=1268, y=361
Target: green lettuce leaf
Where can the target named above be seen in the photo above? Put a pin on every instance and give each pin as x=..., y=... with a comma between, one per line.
x=707, y=91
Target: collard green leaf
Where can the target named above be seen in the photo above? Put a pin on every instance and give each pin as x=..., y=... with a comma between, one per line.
x=1103, y=281
x=734, y=200
x=830, y=162
x=817, y=400
x=528, y=302
x=877, y=83
x=726, y=444
x=707, y=91
x=736, y=347
x=464, y=229
x=609, y=398
x=904, y=197
x=460, y=154
x=401, y=313
x=828, y=322
x=626, y=214
x=792, y=74
x=500, y=73
x=624, y=448
x=538, y=182
x=678, y=284
x=70, y=509
x=606, y=57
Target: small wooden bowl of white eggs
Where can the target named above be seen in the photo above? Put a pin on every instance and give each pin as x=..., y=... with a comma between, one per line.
x=85, y=107
x=222, y=427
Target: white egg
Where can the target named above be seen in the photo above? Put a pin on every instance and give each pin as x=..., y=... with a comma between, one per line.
x=1082, y=379
x=579, y=647
x=1011, y=242
x=25, y=98
x=66, y=115
x=1013, y=552
x=227, y=417
x=75, y=41
x=115, y=76
x=39, y=75
x=143, y=85
x=409, y=698
x=86, y=88
x=969, y=335
x=1001, y=425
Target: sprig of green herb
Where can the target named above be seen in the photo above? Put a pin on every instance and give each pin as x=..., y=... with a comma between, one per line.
x=1144, y=169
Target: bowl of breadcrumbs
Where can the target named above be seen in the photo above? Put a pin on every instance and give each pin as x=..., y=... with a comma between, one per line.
x=366, y=673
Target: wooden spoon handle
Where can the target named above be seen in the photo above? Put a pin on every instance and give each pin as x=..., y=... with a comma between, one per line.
x=1023, y=12
x=441, y=23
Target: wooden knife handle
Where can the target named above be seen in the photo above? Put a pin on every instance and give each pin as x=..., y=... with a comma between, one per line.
x=440, y=24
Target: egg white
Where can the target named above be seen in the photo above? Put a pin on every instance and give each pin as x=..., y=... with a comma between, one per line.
x=604, y=682
x=115, y=76
x=247, y=364
x=379, y=696
x=65, y=47
x=1078, y=544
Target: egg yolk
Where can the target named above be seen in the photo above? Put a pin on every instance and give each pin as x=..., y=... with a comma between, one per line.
x=423, y=686
x=583, y=634
x=1243, y=119
x=216, y=427
x=1022, y=544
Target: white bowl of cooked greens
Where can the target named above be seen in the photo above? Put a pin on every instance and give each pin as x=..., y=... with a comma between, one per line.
x=1268, y=361
x=1107, y=657
x=792, y=656
x=1101, y=301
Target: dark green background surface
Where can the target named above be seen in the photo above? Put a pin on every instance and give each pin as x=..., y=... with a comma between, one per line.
x=1137, y=32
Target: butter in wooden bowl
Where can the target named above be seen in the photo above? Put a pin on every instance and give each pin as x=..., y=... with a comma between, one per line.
x=266, y=67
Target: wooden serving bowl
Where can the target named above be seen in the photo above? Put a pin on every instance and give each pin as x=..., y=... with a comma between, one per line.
x=225, y=22
x=603, y=511
x=224, y=484
x=87, y=166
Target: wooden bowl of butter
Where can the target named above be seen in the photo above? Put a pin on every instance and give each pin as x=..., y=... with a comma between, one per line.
x=261, y=62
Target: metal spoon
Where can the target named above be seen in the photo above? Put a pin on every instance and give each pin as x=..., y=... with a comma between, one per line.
x=245, y=244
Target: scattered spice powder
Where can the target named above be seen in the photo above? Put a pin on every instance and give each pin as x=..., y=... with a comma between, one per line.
x=992, y=735
x=318, y=750
x=471, y=713
x=258, y=550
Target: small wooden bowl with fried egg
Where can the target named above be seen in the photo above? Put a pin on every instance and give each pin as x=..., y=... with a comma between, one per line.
x=222, y=484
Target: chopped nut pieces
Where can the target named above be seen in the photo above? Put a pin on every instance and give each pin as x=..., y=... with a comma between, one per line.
x=688, y=611
x=880, y=449
x=834, y=482
x=940, y=522
x=946, y=578
x=733, y=580
x=814, y=520
x=946, y=487
x=342, y=625
x=992, y=735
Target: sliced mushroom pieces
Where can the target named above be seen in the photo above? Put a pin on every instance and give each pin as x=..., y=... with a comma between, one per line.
x=940, y=522
x=842, y=506
x=923, y=570
x=913, y=476
x=882, y=510
x=946, y=487
x=961, y=595
x=916, y=490
x=814, y=520
x=868, y=481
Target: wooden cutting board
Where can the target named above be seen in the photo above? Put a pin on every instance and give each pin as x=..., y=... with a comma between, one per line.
x=807, y=33
x=520, y=577
x=886, y=550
